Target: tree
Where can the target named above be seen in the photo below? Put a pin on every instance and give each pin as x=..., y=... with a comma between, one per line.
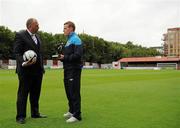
x=95, y=49
x=6, y=43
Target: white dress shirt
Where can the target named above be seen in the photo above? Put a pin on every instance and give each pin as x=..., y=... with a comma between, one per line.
x=33, y=36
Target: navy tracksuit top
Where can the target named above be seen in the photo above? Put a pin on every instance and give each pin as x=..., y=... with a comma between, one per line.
x=73, y=52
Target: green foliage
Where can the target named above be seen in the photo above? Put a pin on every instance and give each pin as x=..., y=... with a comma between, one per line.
x=6, y=43
x=48, y=44
x=95, y=49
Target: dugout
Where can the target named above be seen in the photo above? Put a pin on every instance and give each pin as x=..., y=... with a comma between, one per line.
x=150, y=63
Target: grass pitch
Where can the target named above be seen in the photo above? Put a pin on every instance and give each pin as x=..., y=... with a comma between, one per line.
x=110, y=99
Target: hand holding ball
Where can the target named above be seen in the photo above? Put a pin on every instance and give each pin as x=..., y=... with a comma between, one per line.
x=29, y=57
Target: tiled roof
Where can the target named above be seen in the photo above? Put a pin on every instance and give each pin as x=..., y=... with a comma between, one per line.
x=150, y=59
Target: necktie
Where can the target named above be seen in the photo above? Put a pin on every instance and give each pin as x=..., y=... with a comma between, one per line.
x=34, y=38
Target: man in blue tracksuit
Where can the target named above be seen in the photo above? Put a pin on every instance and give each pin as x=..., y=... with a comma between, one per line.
x=72, y=64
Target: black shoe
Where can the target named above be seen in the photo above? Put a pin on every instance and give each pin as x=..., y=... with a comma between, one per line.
x=39, y=116
x=20, y=120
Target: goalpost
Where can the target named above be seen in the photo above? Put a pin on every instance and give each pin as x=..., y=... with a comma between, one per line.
x=167, y=65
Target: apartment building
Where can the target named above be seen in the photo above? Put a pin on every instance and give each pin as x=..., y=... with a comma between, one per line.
x=172, y=42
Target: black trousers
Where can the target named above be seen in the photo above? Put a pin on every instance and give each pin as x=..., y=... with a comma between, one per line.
x=72, y=80
x=28, y=84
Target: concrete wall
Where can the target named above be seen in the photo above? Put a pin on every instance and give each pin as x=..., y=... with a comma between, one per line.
x=52, y=64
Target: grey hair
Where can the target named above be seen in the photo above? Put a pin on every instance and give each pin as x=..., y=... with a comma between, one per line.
x=29, y=22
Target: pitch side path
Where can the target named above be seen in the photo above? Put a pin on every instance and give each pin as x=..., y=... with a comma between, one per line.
x=110, y=99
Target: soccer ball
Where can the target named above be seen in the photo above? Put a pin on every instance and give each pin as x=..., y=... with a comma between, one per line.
x=29, y=55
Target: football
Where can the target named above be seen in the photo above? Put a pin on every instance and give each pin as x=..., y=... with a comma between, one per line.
x=29, y=55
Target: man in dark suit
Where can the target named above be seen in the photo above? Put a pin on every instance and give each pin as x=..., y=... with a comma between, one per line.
x=30, y=73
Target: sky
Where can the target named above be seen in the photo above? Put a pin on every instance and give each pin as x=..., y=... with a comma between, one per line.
x=141, y=21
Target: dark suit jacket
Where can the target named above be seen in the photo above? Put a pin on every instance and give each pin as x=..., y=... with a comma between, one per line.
x=24, y=42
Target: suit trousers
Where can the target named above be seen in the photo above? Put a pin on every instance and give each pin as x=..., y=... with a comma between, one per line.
x=28, y=84
x=72, y=78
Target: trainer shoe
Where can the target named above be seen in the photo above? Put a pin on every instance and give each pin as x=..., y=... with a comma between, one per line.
x=68, y=115
x=72, y=120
